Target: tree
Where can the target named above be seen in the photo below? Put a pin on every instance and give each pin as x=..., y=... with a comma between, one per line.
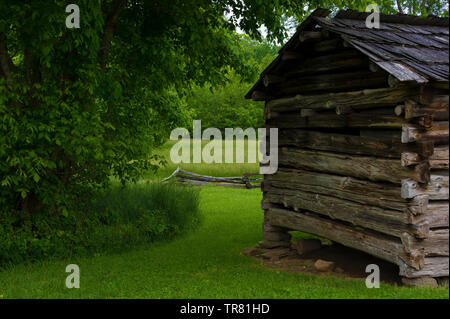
x=223, y=106
x=80, y=105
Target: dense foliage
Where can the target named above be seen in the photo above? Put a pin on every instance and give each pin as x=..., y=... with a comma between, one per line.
x=116, y=219
x=80, y=105
x=223, y=106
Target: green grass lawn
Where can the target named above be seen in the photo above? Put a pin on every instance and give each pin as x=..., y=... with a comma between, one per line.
x=206, y=263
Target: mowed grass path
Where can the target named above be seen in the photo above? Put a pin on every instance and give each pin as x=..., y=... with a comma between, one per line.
x=204, y=264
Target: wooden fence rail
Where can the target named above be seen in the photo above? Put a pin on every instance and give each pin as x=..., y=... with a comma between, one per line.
x=244, y=181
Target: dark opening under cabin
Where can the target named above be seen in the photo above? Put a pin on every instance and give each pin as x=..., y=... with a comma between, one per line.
x=362, y=118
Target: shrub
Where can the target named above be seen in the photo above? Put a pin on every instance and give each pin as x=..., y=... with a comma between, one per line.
x=113, y=220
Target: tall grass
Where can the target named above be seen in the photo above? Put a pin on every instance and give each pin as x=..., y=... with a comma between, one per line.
x=167, y=206
x=114, y=220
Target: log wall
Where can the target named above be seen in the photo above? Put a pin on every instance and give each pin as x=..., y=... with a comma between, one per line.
x=363, y=161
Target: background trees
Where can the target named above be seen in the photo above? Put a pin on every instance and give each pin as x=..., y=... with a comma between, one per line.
x=224, y=105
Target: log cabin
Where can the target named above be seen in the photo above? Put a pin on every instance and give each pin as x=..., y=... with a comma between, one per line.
x=362, y=117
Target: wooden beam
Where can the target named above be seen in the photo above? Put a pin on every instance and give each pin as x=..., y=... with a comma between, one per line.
x=271, y=79
x=332, y=82
x=436, y=215
x=414, y=109
x=390, y=222
x=374, y=244
x=291, y=55
x=373, y=67
x=260, y=96
x=345, y=60
x=351, y=144
x=343, y=109
x=370, y=98
x=438, y=133
x=360, y=191
x=433, y=267
x=436, y=189
x=332, y=120
x=307, y=112
x=433, y=100
x=363, y=167
x=309, y=35
x=393, y=81
x=327, y=45
x=399, y=109
x=436, y=243
x=439, y=159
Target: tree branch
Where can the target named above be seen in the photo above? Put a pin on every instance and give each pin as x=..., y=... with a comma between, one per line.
x=112, y=16
x=423, y=8
x=6, y=64
x=399, y=6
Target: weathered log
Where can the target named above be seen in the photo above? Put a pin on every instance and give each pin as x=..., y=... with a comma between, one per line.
x=437, y=113
x=435, y=214
x=244, y=181
x=386, y=133
x=425, y=122
x=370, y=98
x=343, y=109
x=360, y=191
x=332, y=120
x=260, y=96
x=307, y=112
x=441, y=85
x=385, y=221
x=410, y=159
x=377, y=245
x=433, y=267
x=291, y=55
x=351, y=144
x=433, y=100
x=331, y=82
x=373, y=67
x=393, y=81
x=327, y=45
x=345, y=60
x=439, y=159
x=399, y=109
x=436, y=243
x=309, y=35
x=439, y=164
x=438, y=133
x=271, y=79
x=440, y=153
x=436, y=189
x=374, y=169
x=201, y=183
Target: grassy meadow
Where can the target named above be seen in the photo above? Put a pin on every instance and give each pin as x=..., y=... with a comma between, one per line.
x=215, y=169
x=205, y=263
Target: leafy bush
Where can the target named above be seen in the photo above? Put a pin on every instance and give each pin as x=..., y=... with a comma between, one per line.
x=112, y=220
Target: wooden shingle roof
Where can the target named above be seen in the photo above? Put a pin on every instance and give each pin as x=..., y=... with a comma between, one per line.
x=409, y=48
